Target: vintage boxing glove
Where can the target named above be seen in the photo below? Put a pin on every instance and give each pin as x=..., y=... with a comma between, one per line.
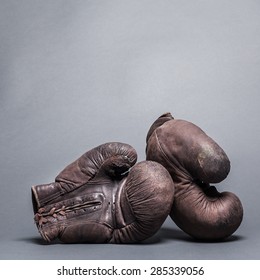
x=194, y=161
x=104, y=197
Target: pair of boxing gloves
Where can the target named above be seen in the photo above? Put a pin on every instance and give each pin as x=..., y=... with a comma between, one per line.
x=105, y=196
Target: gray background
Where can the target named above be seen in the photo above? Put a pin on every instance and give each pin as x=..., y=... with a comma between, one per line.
x=76, y=74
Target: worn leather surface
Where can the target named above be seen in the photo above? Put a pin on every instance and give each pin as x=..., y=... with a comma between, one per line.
x=104, y=197
x=194, y=161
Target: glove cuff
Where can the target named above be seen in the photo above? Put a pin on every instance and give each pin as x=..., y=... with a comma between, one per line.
x=160, y=121
x=43, y=194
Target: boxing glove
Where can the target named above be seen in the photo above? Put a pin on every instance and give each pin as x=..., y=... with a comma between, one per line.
x=194, y=161
x=104, y=197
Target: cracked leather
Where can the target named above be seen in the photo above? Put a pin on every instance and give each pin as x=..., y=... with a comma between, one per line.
x=194, y=161
x=104, y=197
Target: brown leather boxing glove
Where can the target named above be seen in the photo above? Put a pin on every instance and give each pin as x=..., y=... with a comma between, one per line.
x=194, y=161
x=104, y=197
